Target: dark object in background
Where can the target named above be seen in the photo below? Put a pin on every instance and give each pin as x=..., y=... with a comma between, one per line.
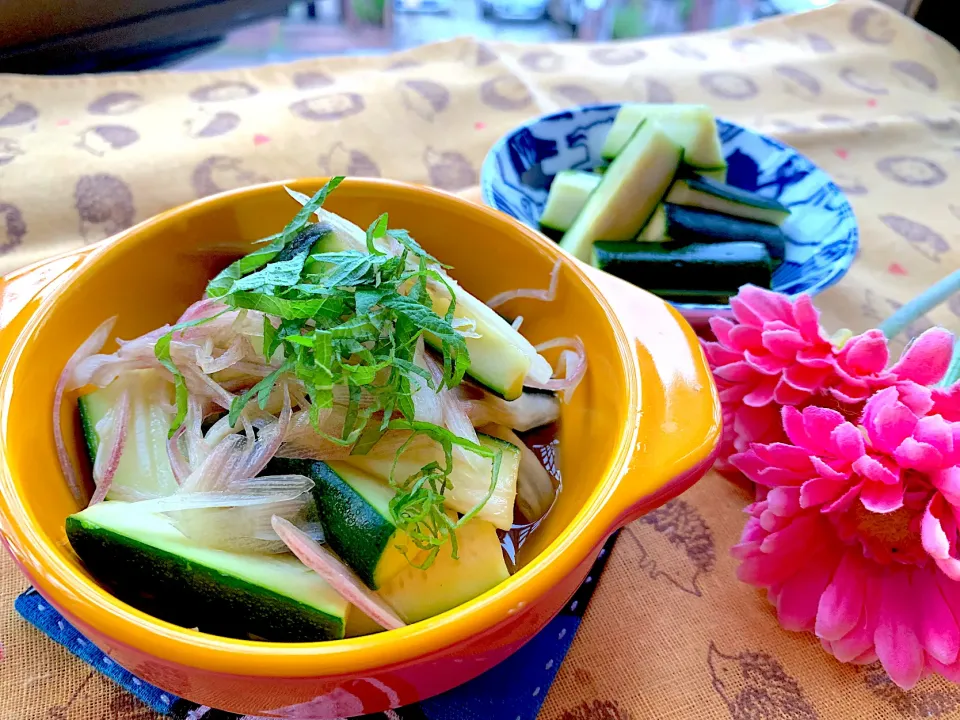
x=940, y=17
x=44, y=37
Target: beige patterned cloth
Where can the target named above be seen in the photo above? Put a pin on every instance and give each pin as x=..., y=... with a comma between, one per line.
x=870, y=96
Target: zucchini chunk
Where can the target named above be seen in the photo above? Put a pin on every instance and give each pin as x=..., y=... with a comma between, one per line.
x=148, y=563
x=699, y=272
x=693, y=127
x=568, y=195
x=628, y=193
x=144, y=465
x=701, y=192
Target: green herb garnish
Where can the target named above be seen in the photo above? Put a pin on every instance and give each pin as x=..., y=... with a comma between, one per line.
x=162, y=352
x=352, y=318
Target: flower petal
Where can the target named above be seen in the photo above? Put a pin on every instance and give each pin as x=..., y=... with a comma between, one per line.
x=845, y=501
x=881, y=498
x=936, y=626
x=860, y=640
x=936, y=432
x=949, y=672
x=785, y=456
x=718, y=355
x=850, y=393
x=828, y=471
x=891, y=426
x=877, y=469
x=808, y=379
x=737, y=372
x=918, y=456
x=813, y=428
x=916, y=397
x=786, y=394
x=742, y=337
x=898, y=647
x=760, y=305
x=932, y=534
x=950, y=567
x=783, y=343
x=758, y=425
x=848, y=441
x=762, y=392
x=800, y=596
x=820, y=491
x=784, y=501
x=798, y=537
x=880, y=400
x=807, y=318
x=841, y=603
x=766, y=363
x=926, y=359
x=721, y=328
x=948, y=483
x=866, y=354
x=946, y=402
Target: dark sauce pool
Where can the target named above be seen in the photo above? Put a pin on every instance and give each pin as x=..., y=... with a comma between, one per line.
x=545, y=444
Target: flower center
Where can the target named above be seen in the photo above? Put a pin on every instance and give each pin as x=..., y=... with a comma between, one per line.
x=890, y=537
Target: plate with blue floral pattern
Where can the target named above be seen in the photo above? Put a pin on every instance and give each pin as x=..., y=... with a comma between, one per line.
x=822, y=229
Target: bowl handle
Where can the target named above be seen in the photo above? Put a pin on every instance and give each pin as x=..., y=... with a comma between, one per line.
x=676, y=436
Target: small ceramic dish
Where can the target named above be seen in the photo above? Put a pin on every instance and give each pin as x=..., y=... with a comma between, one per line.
x=822, y=229
x=641, y=428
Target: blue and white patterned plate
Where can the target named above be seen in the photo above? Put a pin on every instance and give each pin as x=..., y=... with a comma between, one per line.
x=822, y=229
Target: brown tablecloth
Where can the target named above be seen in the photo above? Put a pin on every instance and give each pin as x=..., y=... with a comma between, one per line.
x=870, y=96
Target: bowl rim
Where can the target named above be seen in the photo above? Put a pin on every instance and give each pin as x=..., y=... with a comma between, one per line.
x=488, y=170
x=84, y=599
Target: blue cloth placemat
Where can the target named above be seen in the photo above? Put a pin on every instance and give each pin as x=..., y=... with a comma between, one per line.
x=514, y=689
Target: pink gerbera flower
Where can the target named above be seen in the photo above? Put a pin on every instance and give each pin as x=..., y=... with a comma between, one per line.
x=773, y=353
x=857, y=534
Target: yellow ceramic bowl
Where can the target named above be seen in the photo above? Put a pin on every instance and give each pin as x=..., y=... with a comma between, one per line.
x=642, y=427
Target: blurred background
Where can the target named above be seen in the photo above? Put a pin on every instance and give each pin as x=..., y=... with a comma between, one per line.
x=74, y=36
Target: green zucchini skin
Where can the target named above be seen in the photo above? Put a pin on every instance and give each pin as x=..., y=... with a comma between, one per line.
x=354, y=528
x=698, y=272
x=693, y=190
x=88, y=423
x=689, y=224
x=555, y=235
x=735, y=194
x=190, y=594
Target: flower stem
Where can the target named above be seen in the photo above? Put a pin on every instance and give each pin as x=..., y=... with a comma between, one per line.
x=953, y=371
x=923, y=303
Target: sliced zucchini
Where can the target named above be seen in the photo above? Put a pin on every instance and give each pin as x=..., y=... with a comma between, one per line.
x=689, y=224
x=144, y=464
x=568, y=195
x=500, y=358
x=146, y=562
x=354, y=509
x=699, y=272
x=656, y=228
x=629, y=192
x=360, y=624
x=469, y=481
x=693, y=127
x=706, y=194
x=718, y=173
x=419, y=594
